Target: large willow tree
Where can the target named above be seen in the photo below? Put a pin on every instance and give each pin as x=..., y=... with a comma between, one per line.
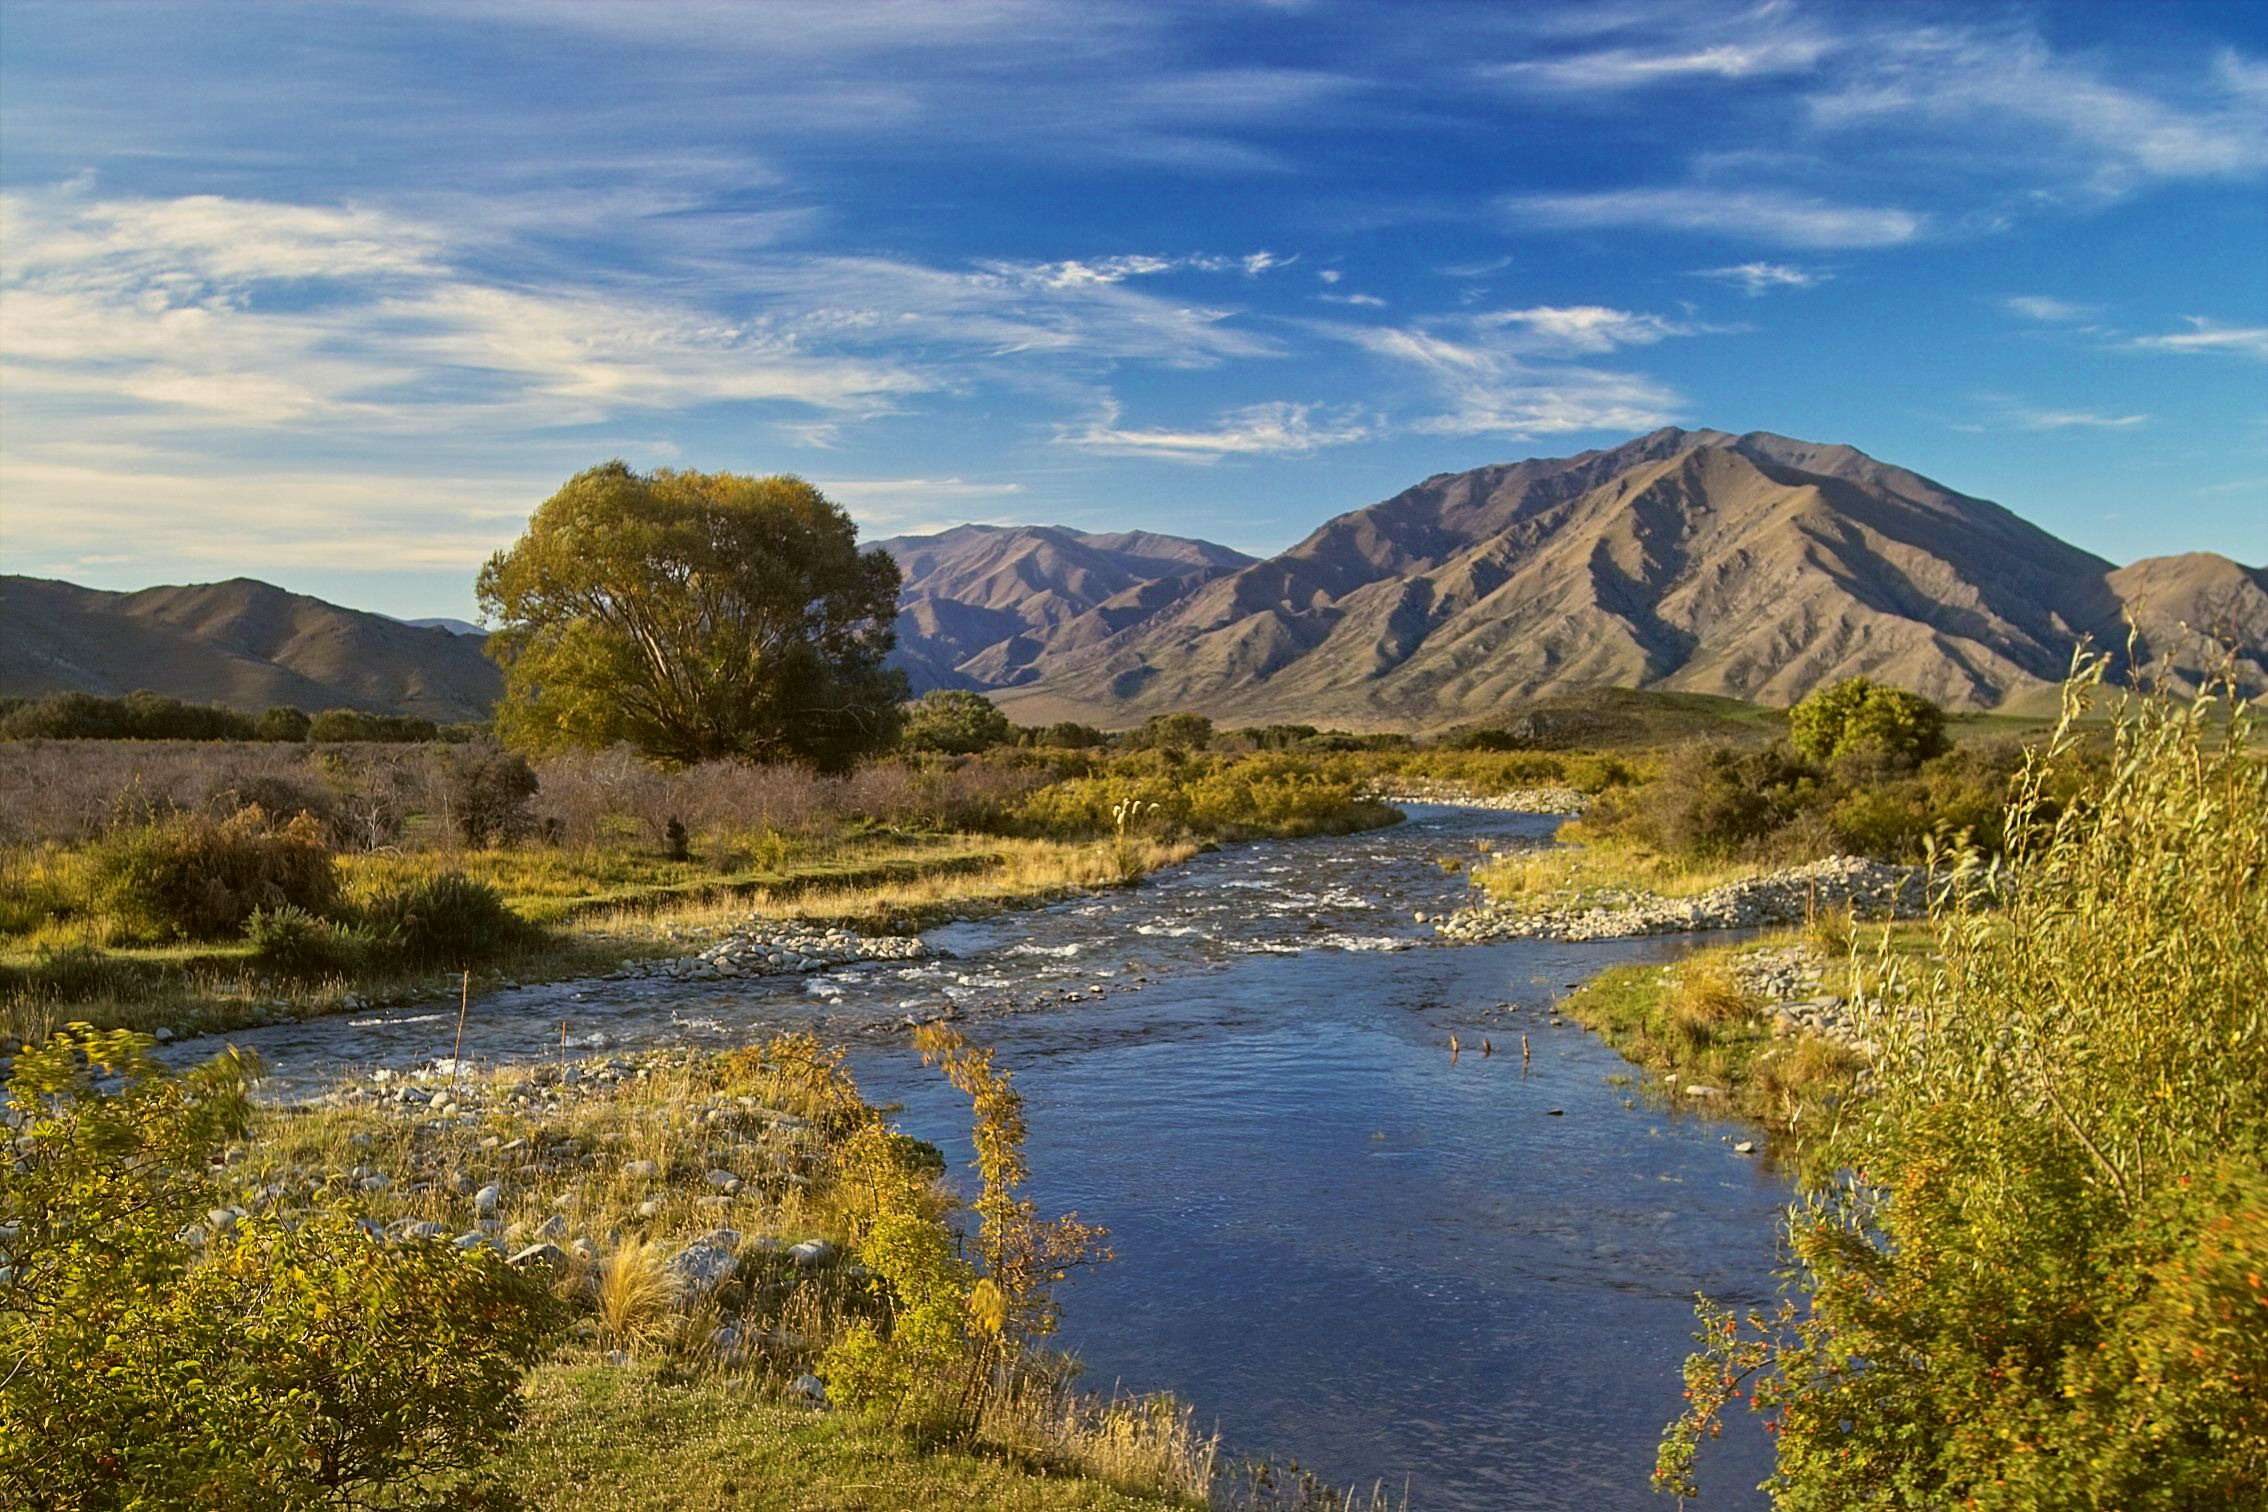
x=694, y=616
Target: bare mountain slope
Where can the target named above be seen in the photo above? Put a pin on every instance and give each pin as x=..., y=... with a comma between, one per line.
x=981, y=601
x=242, y=643
x=1755, y=567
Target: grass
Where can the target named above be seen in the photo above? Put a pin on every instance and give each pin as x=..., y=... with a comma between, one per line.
x=1691, y=1024
x=597, y=1436
x=1587, y=873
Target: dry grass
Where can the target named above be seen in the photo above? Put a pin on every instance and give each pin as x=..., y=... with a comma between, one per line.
x=636, y=1300
x=1586, y=873
x=1706, y=1000
x=1022, y=872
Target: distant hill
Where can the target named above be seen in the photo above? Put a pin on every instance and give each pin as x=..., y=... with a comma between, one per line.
x=1701, y=563
x=242, y=643
x=980, y=602
x=1754, y=567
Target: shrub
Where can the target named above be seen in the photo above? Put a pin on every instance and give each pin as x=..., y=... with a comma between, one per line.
x=955, y=722
x=282, y=1364
x=2034, y=1256
x=487, y=792
x=191, y=877
x=1070, y=735
x=282, y=723
x=137, y=716
x=1174, y=732
x=1857, y=714
x=297, y=943
x=444, y=919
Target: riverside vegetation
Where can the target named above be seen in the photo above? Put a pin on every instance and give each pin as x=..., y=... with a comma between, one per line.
x=564, y=1286
x=2031, y=1251
x=185, y=884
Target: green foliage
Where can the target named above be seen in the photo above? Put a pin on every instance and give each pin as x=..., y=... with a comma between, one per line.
x=1217, y=797
x=956, y=722
x=694, y=615
x=1173, y=732
x=441, y=919
x=282, y=723
x=354, y=724
x=1070, y=735
x=295, y=942
x=137, y=716
x=160, y=1359
x=1858, y=714
x=2042, y=1284
x=192, y=877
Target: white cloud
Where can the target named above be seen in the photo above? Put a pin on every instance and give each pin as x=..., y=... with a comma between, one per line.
x=1275, y=429
x=1483, y=388
x=1759, y=278
x=2046, y=309
x=1365, y=301
x=1633, y=67
x=1576, y=329
x=2114, y=135
x=1741, y=214
x=2206, y=335
x=2046, y=420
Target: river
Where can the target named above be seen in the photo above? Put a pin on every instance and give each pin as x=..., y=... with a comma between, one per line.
x=1467, y=1276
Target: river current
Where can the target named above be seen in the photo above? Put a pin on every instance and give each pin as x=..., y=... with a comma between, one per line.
x=1469, y=1276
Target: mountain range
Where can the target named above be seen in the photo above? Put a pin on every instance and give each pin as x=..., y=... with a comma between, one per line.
x=243, y=643
x=1696, y=561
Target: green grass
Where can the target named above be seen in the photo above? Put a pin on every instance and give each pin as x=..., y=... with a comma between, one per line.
x=601, y=1436
x=1687, y=1025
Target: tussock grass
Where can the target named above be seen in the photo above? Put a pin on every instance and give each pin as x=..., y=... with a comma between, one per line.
x=1586, y=872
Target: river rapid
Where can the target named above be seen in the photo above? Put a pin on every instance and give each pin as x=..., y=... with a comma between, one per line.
x=1466, y=1275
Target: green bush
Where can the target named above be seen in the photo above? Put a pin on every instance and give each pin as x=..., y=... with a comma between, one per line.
x=955, y=722
x=192, y=877
x=160, y=1360
x=297, y=943
x=1858, y=714
x=1173, y=732
x=137, y=716
x=283, y=723
x=445, y=919
x=2033, y=1259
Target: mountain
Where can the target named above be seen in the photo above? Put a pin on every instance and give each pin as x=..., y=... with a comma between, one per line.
x=981, y=602
x=444, y=622
x=242, y=643
x=1754, y=566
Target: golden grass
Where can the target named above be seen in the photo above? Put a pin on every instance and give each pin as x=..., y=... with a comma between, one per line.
x=1584, y=872
x=635, y=1296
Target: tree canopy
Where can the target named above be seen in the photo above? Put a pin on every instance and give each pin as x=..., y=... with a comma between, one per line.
x=957, y=723
x=694, y=616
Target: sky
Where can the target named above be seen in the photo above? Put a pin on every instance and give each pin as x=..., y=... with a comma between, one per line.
x=334, y=295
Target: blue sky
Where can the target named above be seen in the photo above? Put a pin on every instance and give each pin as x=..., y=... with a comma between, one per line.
x=334, y=295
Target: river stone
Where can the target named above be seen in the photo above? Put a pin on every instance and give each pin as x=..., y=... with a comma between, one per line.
x=724, y=1180
x=811, y=1254
x=487, y=1199
x=809, y=1390
x=414, y=1228
x=640, y=1170
x=539, y=1257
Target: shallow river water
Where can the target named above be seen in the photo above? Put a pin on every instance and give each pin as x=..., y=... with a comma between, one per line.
x=1342, y=1245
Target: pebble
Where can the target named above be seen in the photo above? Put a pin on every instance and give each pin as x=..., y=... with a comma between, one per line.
x=487, y=1199
x=770, y=947
x=1871, y=889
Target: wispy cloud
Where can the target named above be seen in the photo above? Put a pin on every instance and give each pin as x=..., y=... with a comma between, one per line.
x=2047, y=309
x=1760, y=278
x=1077, y=273
x=1576, y=329
x=1739, y=214
x=1615, y=68
x=1273, y=429
x=2052, y=419
x=2206, y=335
x=1484, y=387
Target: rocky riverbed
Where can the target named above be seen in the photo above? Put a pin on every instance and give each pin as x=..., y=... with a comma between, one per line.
x=1790, y=980
x=769, y=947
x=1527, y=800
x=1870, y=889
